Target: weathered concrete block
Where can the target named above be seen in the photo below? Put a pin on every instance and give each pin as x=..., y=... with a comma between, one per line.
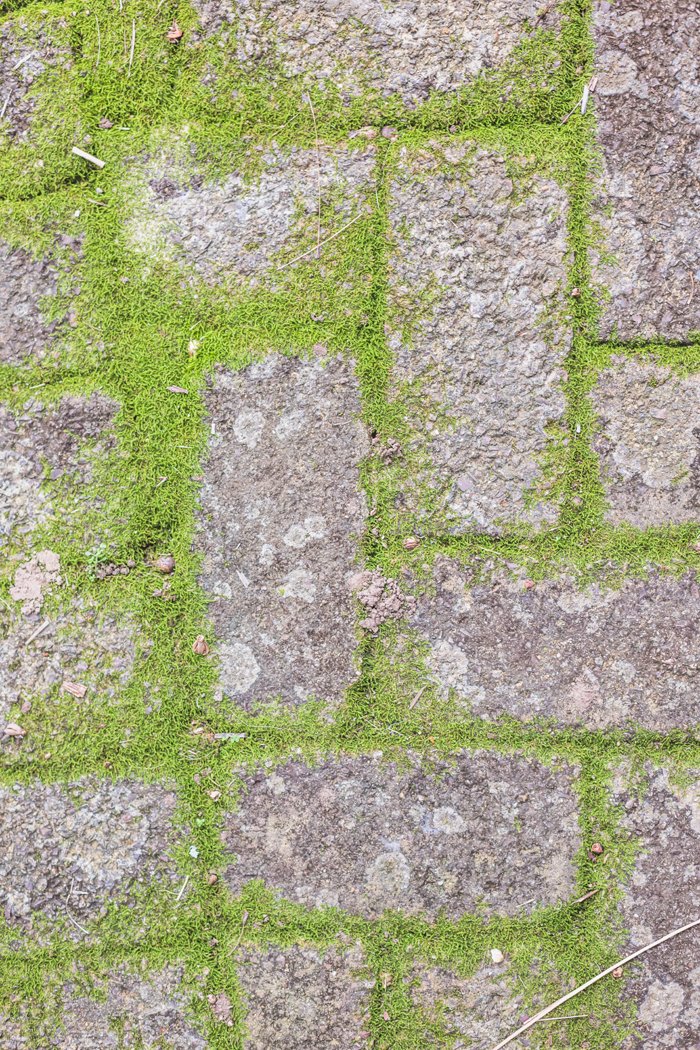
x=407, y=48
x=648, y=441
x=599, y=657
x=663, y=894
x=485, y=373
x=68, y=850
x=281, y=515
x=25, y=331
x=481, y=1009
x=298, y=998
x=497, y=834
x=648, y=110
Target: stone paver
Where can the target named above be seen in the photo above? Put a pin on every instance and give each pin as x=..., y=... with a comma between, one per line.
x=478, y=1010
x=297, y=997
x=647, y=105
x=124, y=1010
x=68, y=851
x=647, y=440
x=407, y=49
x=499, y=835
x=597, y=657
x=482, y=374
x=281, y=516
x=663, y=894
x=233, y=230
x=24, y=331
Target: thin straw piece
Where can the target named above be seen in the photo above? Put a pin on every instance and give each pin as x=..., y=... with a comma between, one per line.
x=593, y=980
x=133, y=41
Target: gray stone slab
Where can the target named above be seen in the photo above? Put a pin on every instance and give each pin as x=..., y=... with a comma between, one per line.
x=403, y=48
x=70, y=849
x=232, y=230
x=25, y=331
x=479, y=1010
x=485, y=376
x=281, y=516
x=299, y=999
x=496, y=834
x=122, y=1009
x=648, y=108
x=647, y=438
x=663, y=894
x=65, y=439
x=26, y=54
x=597, y=657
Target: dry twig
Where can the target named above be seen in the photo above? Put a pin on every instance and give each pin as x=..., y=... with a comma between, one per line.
x=324, y=241
x=318, y=176
x=582, y=987
x=99, y=43
x=133, y=41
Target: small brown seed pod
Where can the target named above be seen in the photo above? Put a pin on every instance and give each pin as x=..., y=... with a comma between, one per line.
x=166, y=563
x=200, y=647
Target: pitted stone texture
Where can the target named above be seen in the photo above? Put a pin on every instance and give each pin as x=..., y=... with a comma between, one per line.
x=648, y=440
x=298, y=999
x=663, y=894
x=483, y=366
x=74, y=847
x=482, y=1008
x=67, y=438
x=230, y=231
x=598, y=656
x=81, y=644
x=498, y=832
x=25, y=56
x=281, y=514
x=402, y=47
x=24, y=330
x=648, y=111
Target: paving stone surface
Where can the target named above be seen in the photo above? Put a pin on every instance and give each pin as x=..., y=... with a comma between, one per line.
x=481, y=374
x=298, y=997
x=232, y=230
x=71, y=849
x=24, y=331
x=647, y=440
x=64, y=441
x=125, y=1010
x=647, y=104
x=497, y=834
x=402, y=48
x=595, y=657
x=24, y=56
x=281, y=515
x=662, y=895
x=478, y=1010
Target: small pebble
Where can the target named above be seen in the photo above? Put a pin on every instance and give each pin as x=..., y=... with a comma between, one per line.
x=497, y=956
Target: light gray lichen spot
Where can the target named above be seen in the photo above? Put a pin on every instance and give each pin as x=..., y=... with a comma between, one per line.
x=239, y=668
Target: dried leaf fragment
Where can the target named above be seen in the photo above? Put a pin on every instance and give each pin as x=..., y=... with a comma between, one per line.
x=368, y=133
x=411, y=542
x=214, y=794
x=200, y=647
x=174, y=33
x=178, y=390
x=75, y=689
x=12, y=729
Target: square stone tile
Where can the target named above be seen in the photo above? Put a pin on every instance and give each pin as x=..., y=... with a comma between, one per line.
x=596, y=657
x=663, y=894
x=647, y=104
x=299, y=999
x=648, y=442
x=231, y=231
x=149, y=1009
x=476, y=1011
x=496, y=834
x=281, y=516
x=67, y=850
x=482, y=374
x=404, y=48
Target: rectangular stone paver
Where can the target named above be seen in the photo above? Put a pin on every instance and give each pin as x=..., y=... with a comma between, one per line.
x=647, y=104
x=648, y=441
x=126, y=1010
x=405, y=48
x=231, y=231
x=497, y=834
x=296, y=998
x=65, y=851
x=25, y=331
x=281, y=516
x=663, y=894
x=486, y=378
x=597, y=657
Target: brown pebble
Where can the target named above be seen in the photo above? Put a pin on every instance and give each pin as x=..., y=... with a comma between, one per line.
x=410, y=543
x=165, y=563
x=617, y=972
x=200, y=647
x=212, y=877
